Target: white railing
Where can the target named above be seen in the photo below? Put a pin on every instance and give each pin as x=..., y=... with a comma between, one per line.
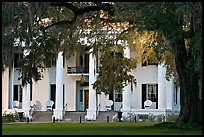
x=64, y=110
x=98, y=109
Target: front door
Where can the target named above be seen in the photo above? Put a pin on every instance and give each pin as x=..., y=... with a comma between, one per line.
x=82, y=96
x=86, y=99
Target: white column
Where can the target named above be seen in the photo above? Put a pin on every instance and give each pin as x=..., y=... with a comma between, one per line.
x=91, y=111
x=59, y=88
x=26, y=100
x=11, y=79
x=26, y=93
x=127, y=89
x=169, y=93
x=161, y=87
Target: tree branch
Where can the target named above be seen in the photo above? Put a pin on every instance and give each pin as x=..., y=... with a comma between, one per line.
x=67, y=5
x=79, y=11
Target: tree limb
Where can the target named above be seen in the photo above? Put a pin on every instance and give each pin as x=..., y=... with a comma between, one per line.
x=67, y=5
x=79, y=11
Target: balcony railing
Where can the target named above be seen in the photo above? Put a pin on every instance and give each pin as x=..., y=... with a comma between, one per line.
x=79, y=70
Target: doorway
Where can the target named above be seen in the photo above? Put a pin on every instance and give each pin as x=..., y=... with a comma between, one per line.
x=82, y=96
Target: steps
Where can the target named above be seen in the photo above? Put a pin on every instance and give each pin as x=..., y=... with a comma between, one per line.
x=73, y=116
x=42, y=116
x=105, y=116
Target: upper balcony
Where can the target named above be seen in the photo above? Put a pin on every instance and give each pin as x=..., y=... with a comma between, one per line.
x=79, y=70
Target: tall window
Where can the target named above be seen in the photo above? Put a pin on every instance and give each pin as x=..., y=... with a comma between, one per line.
x=17, y=93
x=151, y=93
x=118, y=97
x=81, y=96
x=175, y=95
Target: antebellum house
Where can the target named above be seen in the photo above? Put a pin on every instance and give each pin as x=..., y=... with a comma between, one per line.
x=62, y=83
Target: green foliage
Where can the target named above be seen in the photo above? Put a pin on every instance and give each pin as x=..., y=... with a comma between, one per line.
x=143, y=116
x=114, y=72
x=171, y=118
x=10, y=117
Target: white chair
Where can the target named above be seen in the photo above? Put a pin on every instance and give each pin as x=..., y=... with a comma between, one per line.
x=38, y=106
x=49, y=105
x=147, y=104
x=15, y=104
x=109, y=103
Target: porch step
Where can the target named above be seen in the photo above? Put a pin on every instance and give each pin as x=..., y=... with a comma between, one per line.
x=42, y=116
x=73, y=116
x=103, y=116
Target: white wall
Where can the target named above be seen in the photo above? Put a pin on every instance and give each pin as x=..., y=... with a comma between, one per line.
x=41, y=90
x=70, y=91
x=144, y=75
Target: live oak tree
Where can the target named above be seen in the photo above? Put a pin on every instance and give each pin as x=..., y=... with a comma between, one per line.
x=180, y=23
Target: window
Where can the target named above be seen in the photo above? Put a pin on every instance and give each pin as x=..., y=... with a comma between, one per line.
x=81, y=61
x=151, y=93
x=148, y=62
x=175, y=95
x=118, y=97
x=81, y=95
x=17, y=93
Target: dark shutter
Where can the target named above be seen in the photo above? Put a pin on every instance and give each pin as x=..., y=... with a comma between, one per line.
x=31, y=92
x=53, y=94
x=156, y=96
x=111, y=98
x=21, y=94
x=143, y=94
x=15, y=93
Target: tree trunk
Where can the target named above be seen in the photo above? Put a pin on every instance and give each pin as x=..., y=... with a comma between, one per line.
x=191, y=103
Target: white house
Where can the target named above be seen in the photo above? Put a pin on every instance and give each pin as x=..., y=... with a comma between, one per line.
x=61, y=83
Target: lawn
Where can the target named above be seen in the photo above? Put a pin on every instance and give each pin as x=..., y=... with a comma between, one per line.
x=115, y=128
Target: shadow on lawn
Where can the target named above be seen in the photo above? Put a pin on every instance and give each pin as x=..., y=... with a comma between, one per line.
x=174, y=125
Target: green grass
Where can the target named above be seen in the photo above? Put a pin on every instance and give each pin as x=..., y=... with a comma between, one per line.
x=116, y=128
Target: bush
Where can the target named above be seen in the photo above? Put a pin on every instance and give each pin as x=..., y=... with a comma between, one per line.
x=11, y=117
x=130, y=117
x=144, y=117
x=171, y=118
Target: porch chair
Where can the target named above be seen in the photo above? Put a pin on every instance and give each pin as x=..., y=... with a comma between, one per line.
x=38, y=106
x=49, y=105
x=147, y=104
x=15, y=104
x=109, y=103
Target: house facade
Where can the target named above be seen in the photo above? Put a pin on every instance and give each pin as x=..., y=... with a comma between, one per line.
x=68, y=83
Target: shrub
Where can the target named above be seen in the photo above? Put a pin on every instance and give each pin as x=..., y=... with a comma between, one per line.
x=144, y=117
x=171, y=118
x=11, y=117
x=159, y=117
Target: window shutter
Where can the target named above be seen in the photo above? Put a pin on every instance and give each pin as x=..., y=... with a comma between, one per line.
x=143, y=94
